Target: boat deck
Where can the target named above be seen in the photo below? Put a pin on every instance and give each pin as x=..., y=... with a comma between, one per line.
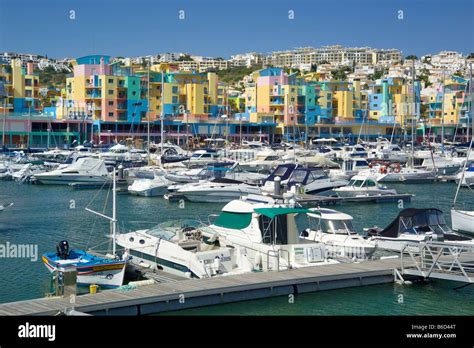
x=170, y=296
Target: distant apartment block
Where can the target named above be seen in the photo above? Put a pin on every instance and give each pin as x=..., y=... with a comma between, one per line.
x=337, y=55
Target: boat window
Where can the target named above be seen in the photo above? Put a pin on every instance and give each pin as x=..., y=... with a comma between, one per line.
x=271, y=158
x=356, y=183
x=298, y=176
x=361, y=163
x=161, y=231
x=337, y=226
x=281, y=171
x=370, y=183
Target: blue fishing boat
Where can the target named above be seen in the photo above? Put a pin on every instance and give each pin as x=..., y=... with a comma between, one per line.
x=91, y=269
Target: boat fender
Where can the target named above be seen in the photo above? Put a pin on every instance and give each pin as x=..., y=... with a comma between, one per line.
x=142, y=282
x=258, y=260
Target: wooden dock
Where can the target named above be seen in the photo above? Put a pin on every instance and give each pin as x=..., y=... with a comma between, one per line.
x=164, y=297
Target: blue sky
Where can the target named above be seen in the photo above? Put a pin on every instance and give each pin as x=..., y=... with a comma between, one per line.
x=222, y=28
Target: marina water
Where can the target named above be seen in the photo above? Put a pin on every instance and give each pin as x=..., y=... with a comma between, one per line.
x=44, y=215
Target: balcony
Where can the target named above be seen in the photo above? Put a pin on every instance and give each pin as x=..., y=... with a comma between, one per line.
x=93, y=96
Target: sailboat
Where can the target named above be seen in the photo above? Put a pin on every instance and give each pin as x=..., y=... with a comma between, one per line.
x=106, y=271
x=463, y=220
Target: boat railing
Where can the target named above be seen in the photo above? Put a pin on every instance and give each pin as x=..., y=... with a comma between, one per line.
x=277, y=254
x=441, y=260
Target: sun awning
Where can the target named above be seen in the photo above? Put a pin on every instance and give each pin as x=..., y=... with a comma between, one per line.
x=272, y=212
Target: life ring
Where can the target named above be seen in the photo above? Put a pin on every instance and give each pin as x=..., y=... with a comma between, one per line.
x=397, y=169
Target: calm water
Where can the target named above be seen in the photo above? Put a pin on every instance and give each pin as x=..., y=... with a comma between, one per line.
x=44, y=215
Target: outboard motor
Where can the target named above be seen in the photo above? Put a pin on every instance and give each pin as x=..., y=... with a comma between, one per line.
x=62, y=249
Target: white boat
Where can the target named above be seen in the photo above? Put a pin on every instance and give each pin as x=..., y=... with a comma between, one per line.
x=389, y=152
x=313, y=180
x=334, y=229
x=216, y=191
x=179, y=247
x=121, y=153
x=84, y=170
x=466, y=177
x=363, y=186
x=349, y=168
x=397, y=173
x=228, y=170
x=201, y=158
x=27, y=172
x=269, y=233
x=442, y=165
x=355, y=151
x=145, y=172
x=264, y=161
x=415, y=226
x=462, y=220
x=157, y=186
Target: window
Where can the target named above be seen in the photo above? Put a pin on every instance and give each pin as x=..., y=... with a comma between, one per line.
x=175, y=89
x=111, y=114
x=111, y=91
x=175, y=99
x=375, y=105
x=375, y=113
x=111, y=103
x=111, y=80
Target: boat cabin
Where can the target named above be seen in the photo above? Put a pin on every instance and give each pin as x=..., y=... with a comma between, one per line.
x=329, y=221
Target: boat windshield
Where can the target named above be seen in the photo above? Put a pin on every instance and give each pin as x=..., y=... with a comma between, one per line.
x=356, y=183
x=299, y=176
x=326, y=226
x=337, y=226
x=167, y=230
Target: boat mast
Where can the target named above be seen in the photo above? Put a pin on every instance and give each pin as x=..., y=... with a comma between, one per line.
x=148, y=112
x=463, y=170
x=470, y=104
x=414, y=112
x=442, y=114
x=114, y=210
x=162, y=110
x=4, y=120
x=113, y=219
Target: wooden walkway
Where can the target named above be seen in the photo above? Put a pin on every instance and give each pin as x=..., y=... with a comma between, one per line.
x=156, y=298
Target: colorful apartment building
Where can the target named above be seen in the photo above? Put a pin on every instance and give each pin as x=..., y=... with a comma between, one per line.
x=19, y=87
x=302, y=107
x=455, y=106
x=393, y=100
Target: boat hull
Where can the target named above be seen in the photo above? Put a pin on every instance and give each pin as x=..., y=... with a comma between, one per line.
x=106, y=275
x=463, y=220
x=69, y=179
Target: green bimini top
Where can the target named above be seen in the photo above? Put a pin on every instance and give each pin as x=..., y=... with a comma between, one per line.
x=272, y=212
x=235, y=221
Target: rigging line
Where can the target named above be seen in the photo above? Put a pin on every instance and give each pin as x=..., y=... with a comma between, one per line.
x=97, y=193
